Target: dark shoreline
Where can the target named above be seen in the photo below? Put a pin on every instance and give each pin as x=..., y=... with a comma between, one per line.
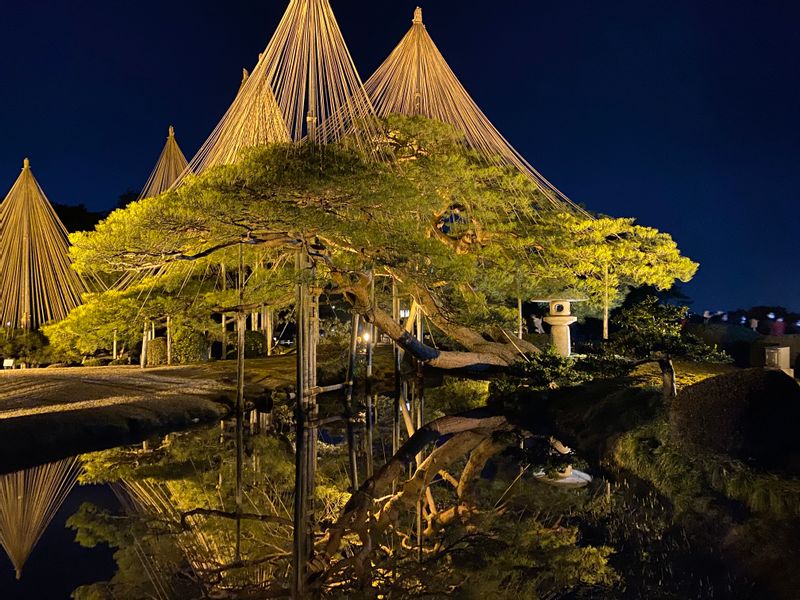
x=42, y=438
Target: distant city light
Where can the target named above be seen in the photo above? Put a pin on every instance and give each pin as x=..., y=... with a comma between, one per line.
x=771, y=315
x=366, y=337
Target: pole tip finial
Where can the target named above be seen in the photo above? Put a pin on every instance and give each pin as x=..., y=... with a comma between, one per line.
x=26, y=163
x=418, y=15
x=171, y=131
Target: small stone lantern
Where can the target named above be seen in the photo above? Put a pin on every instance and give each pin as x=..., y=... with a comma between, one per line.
x=559, y=319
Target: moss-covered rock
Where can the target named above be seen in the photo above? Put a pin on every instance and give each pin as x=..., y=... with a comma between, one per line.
x=751, y=415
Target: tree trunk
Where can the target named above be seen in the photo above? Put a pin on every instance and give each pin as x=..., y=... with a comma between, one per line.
x=361, y=504
x=481, y=354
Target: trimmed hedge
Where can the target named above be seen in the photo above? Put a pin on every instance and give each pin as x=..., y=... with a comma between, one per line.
x=157, y=352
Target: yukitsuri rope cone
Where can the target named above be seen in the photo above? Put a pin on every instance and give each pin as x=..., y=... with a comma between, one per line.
x=171, y=163
x=305, y=86
x=253, y=119
x=416, y=80
x=29, y=500
x=37, y=283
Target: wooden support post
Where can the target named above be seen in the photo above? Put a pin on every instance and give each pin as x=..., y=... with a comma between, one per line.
x=224, y=337
x=419, y=405
x=397, y=378
x=605, y=303
x=169, y=341
x=145, y=336
x=520, y=320
x=269, y=331
x=348, y=403
x=307, y=312
x=114, y=350
x=368, y=396
x=241, y=326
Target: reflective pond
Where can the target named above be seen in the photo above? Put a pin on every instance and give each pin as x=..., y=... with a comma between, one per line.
x=160, y=520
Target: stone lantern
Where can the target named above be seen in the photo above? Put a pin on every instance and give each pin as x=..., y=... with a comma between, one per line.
x=559, y=319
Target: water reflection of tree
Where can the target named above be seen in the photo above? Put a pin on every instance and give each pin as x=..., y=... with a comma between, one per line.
x=168, y=549
x=179, y=529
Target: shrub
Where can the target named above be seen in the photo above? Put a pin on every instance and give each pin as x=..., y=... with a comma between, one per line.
x=254, y=344
x=548, y=369
x=95, y=362
x=455, y=396
x=189, y=346
x=157, y=352
x=23, y=345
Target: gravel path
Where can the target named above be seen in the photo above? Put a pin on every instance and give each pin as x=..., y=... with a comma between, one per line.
x=48, y=414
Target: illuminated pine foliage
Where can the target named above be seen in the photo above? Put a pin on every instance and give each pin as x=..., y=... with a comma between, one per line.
x=37, y=284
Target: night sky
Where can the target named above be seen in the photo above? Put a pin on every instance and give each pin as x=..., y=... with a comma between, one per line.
x=684, y=114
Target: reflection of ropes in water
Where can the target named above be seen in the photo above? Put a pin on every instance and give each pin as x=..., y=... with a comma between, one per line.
x=205, y=545
x=29, y=500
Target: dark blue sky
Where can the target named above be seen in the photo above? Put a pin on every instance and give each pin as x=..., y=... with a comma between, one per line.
x=684, y=114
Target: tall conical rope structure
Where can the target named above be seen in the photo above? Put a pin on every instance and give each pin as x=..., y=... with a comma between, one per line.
x=304, y=87
x=416, y=80
x=171, y=163
x=37, y=283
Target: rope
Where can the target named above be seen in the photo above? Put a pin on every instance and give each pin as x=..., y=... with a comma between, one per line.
x=416, y=80
x=29, y=500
